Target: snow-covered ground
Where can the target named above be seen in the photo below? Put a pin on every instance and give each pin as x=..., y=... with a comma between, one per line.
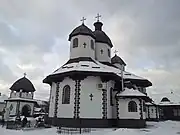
x=154, y=128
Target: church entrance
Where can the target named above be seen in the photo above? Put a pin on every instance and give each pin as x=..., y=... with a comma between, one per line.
x=26, y=110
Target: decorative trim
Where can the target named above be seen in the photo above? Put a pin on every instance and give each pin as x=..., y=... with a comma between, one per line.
x=104, y=103
x=140, y=109
x=117, y=108
x=111, y=97
x=148, y=112
x=77, y=99
x=56, y=99
x=156, y=112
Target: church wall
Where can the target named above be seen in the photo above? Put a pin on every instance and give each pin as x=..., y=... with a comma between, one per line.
x=30, y=104
x=123, y=109
x=88, y=108
x=14, y=105
x=80, y=51
x=66, y=110
x=102, y=57
x=52, y=99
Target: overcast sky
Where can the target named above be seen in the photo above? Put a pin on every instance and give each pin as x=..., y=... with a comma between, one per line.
x=34, y=33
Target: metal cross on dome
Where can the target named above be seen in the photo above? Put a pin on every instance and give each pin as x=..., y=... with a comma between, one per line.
x=25, y=74
x=115, y=51
x=91, y=96
x=82, y=20
x=98, y=16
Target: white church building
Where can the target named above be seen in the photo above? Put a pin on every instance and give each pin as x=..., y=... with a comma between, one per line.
x=88, y=91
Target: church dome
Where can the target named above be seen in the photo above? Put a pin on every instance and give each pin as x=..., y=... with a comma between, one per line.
x=23, y=84
x=117, y=59
x=101, y=35
x=81, y=30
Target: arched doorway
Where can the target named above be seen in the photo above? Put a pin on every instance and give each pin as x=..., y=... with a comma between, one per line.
x=26, y=110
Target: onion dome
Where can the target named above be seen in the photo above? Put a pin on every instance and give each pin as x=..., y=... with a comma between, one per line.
x=23, y=84
x=117, y=59
x=101, y=35
x=81, y=30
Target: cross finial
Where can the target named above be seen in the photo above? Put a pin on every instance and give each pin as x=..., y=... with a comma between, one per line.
x=115, y=51
x=83, y=19
x=98, y=16
x=25, y=74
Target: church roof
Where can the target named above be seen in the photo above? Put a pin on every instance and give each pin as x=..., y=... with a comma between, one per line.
x=81, y=30
x=101, y=35
x=117, y=59
x=23, y=84
x=174, y=98
x=95, y=66
x=133, y=93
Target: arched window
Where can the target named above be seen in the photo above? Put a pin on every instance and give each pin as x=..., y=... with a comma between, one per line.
x=109, y=53
x=165, y=99
x=132, y=106
x=66, y=95
x=92, y=44
x=75, y=42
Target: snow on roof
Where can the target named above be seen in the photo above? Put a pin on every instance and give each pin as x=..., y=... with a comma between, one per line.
x=174, y=98
x=95, y=67
x=3, y=98
x=131, y=92
x=21, y=99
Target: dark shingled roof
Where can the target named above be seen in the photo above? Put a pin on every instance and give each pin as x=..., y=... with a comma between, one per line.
x=23, y=84
x=81, y=30
x=101, y=35
x=117, y=59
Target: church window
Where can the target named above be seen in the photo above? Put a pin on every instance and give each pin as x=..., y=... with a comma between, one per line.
x=165, y=99
x=109, y=53
x=66, y=95
x=132, y=106
x=111, y=96
x=92, y=44
x=75, y=42
x=101, y=51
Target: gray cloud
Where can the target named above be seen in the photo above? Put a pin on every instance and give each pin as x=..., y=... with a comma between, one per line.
x=34, y=36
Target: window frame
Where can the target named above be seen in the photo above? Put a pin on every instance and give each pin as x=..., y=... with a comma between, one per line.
x=66, y=95
x=75, y=42
x=132, y=106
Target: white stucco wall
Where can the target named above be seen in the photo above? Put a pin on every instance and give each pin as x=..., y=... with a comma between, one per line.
x=66, y=110
x=152, y=112
x=102, y=57
x=80, y=51
x=14, y=104
x=52, y=99
x=123, y=109
x=88, y=108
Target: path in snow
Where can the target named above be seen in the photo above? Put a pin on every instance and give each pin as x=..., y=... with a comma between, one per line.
x=154, y=128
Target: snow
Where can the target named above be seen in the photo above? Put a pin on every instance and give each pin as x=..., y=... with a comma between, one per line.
x=95, y=67
x=153, y=128
x=131, y=92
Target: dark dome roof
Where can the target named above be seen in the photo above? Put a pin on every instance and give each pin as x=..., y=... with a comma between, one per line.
x=81, y=30
x=117, y=59
x=23, y=84
x=101, y=35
